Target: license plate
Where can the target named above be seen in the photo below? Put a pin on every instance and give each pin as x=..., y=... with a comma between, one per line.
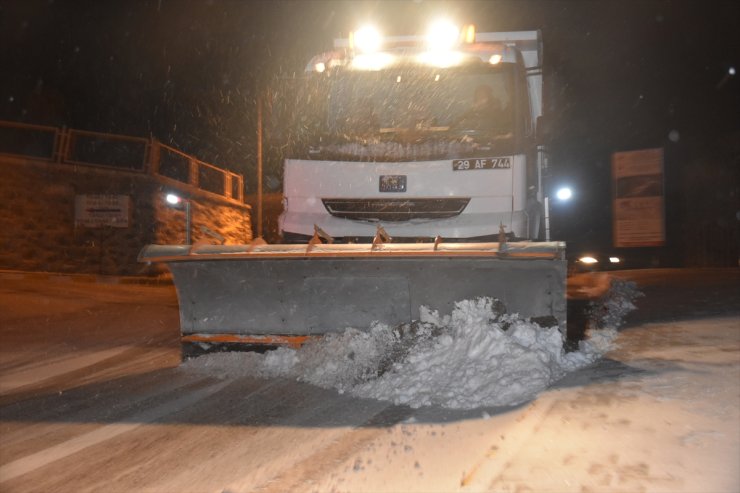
x=392, y=183
x=481, y=163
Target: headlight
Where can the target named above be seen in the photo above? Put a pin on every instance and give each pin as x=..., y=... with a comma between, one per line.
x=367, y=39
x=588, y=260
x=442, y=35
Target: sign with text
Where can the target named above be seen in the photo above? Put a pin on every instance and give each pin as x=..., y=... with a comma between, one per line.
x=99, y=211
x=638, y=209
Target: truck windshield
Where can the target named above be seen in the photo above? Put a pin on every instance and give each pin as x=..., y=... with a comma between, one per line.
x=462, y=100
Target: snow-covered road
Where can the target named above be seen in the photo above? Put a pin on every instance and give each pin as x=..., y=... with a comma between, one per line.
x=92, y=399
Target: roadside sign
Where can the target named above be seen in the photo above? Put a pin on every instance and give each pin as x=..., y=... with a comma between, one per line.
x=638, y=199
x=99, y=211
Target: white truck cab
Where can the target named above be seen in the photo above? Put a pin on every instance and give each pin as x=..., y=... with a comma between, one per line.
x=424, y=136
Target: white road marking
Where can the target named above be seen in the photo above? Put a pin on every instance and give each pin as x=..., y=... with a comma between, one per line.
x=13, y=380
x=42, y=458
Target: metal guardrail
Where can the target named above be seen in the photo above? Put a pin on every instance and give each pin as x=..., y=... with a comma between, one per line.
x=26, y=140
x=100, y=149
x=122, y=152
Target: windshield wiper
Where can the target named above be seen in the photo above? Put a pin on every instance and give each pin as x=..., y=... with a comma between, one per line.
x=388, y=130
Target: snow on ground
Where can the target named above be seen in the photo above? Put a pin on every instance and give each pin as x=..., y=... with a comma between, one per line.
x=476, y=357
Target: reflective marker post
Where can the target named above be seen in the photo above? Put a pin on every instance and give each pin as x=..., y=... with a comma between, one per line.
x=187, y=223
x=547, y=218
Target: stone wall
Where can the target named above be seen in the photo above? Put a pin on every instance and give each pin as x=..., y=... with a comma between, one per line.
x=38, y=230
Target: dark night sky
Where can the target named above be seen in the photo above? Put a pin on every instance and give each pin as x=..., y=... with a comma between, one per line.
x=621, y=75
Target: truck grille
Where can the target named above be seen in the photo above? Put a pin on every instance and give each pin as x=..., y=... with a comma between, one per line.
x=395, y=209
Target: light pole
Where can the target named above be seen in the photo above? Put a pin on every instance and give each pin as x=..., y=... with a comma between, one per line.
x=175, y=201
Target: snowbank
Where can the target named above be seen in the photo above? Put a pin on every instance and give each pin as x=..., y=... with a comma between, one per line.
x=478, y=356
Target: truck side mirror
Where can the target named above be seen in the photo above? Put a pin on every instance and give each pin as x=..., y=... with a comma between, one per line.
x=543, y=130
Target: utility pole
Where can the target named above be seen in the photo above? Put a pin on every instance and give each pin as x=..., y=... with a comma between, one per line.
x=259, y=166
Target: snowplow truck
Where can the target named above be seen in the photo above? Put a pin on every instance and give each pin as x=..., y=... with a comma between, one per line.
x=414, y=178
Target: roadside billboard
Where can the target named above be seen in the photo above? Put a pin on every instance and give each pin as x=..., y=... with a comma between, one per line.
x=638, y=207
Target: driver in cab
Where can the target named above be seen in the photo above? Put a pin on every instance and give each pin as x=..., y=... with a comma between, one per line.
x=486, y=111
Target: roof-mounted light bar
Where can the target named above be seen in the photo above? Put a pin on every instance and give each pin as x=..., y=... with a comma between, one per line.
x=468, y=33
x=443, y=46
x=441, y=35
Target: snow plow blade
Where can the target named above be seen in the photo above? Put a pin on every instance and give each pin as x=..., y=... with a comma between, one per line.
x=280, y=294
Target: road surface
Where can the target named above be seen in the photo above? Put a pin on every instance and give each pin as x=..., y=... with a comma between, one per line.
x=92, y=399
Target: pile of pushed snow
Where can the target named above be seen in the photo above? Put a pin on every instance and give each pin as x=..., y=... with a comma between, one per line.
x=477, y=356
x=609, y=312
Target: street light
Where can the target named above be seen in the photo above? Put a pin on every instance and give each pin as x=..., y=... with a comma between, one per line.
x=177, y=202
x=731, y=72
x=563, y=194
